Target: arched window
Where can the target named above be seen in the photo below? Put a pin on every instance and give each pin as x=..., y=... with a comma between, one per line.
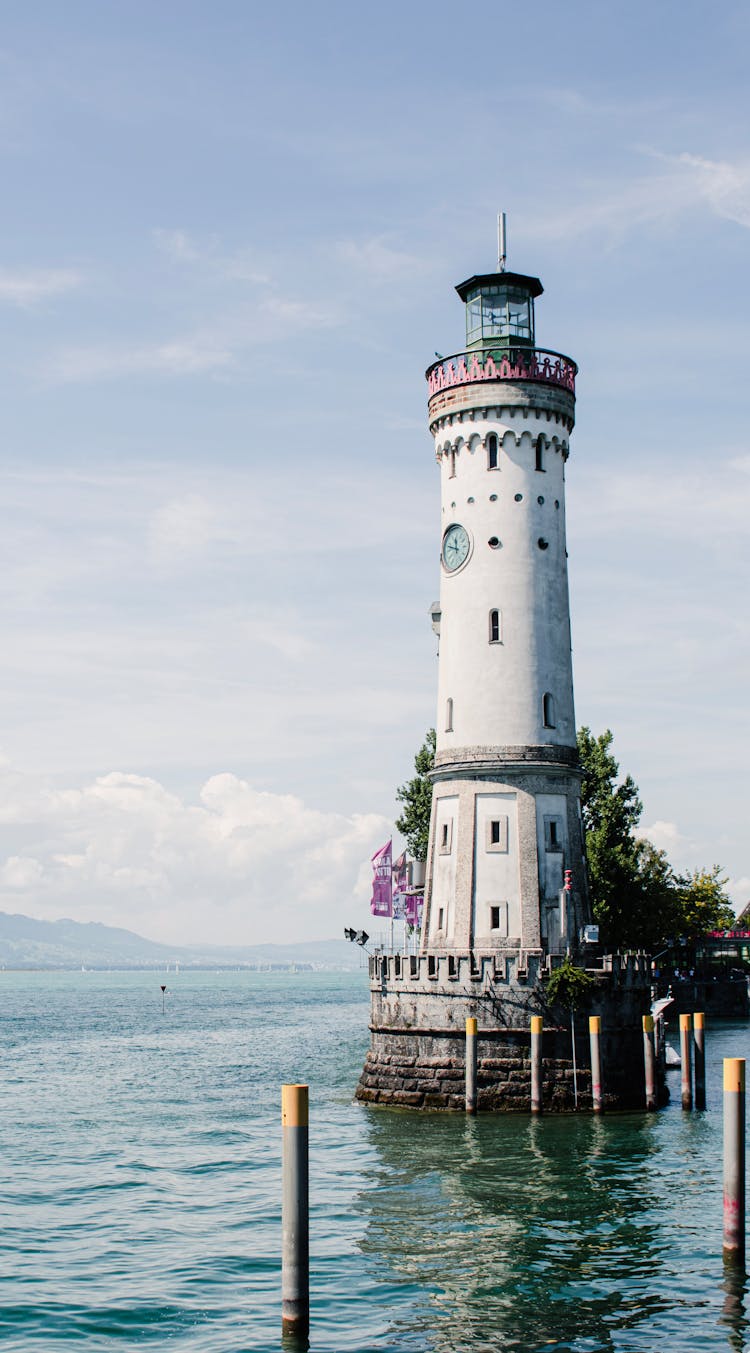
x=496, y=627
x=539, y=454
x=449, y=715
x=491, y=445
x=548, y=710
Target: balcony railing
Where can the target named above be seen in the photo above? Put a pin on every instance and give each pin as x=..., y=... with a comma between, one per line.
x=520, y=364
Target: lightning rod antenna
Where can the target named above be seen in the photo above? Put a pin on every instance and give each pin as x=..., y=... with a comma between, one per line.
x=501, y=253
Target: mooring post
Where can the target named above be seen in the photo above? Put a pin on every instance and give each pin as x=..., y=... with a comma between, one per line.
x=685, y=1062
x=649, y=1061
x=471, y=1064
x=595, y=1036
x=699, y=1050
x=734, y=1159
x=536, y=1063
x=295, y=1220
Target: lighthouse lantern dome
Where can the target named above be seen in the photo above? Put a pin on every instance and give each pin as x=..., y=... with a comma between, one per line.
x=500, y=309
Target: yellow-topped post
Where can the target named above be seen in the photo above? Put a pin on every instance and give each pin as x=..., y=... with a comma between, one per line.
x=734, y=1159
x=685, y=1062
x=295, y=1214
x=595, y=1040
x=649, y=1061
x=699, y=1052
x=536, y=1063
x=471, y=1064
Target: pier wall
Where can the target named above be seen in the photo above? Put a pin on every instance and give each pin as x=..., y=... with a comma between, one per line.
x=420, y=1004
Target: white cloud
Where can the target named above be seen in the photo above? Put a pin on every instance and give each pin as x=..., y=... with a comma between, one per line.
x=685, y=183
x=378, y=258
x=180, y=357
x=20, y=872
x=26, y=287
x=724, y=186
x=739, y=891
x=239, y=267
x=241, y=865
x=665, y=836
x=185, y=526
x=178, y=245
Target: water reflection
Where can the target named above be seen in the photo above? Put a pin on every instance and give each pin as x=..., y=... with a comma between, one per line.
x=527, y=1234
x=734, y=1312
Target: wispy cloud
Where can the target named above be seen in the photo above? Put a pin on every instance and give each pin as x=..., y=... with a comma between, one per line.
x=379, y=258
x=241, y=266
x=179, y=357
x=178, y=245
x=26, y=287
x=684, y=183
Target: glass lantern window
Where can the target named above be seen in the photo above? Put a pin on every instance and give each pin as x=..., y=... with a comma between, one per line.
x=499, y=312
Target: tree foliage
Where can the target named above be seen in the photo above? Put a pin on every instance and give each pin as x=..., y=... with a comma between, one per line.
x=638, y=899
x=416, y=796
x=568, y=986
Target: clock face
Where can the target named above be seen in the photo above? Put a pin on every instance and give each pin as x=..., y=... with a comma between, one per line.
x=455, y=547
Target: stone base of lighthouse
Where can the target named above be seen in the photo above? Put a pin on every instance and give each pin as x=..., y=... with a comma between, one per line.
x=419, y=1009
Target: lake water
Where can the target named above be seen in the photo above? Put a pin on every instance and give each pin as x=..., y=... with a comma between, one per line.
x=140, y=1164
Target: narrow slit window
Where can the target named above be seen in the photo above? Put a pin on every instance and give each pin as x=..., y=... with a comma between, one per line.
x=553, y=832
x=495, y=627
x=441, y=916
x=494, y=918
x=540, y=454
x=496, y=835
x=452, y=470
x=548, y=710
x=492, y=451
x=449, y=714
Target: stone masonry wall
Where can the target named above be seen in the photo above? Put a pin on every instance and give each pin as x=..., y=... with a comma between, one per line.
x=416, y=1058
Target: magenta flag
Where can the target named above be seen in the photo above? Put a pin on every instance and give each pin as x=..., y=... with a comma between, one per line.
x=382, y=888
x=414, y=905
x=400, y=884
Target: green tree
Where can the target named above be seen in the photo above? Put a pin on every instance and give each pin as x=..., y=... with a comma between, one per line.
x=416, y=796
x=568, y=986
x=637, y=898
x=703, y=903
x=611, y=811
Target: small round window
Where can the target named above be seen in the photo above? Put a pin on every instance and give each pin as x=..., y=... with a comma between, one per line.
x=519, y=497
x=493, y=497
x=493, y=543
x=542, y=543
x=540, y=500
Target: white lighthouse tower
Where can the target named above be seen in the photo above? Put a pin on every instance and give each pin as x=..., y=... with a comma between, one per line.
x=505, y=833
x=505, y=890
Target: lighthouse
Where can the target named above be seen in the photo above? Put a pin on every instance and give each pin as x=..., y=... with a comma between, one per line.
x=506, y=830
x=505, y=879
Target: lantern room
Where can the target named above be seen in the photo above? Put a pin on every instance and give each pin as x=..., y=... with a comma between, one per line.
x=500, y=310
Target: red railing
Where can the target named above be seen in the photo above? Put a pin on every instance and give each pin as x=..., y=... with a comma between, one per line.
x=530, y=364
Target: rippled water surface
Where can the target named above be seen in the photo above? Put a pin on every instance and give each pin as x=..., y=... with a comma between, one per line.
x=140, y=1165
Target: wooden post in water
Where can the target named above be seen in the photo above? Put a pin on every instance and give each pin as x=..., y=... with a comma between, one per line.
x=685, y=1062
x=536, y=1063
x=734, y=1160
x=471, y=1064
x=649, y=1061
x=699, y=1050
x=295, y=1218
x=595, y=1034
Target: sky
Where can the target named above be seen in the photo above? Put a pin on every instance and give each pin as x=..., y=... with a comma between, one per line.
x=229, y=242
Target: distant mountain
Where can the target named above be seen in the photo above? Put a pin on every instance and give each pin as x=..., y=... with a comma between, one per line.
x=27, y=943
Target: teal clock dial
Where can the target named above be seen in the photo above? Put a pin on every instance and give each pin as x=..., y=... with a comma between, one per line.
x=455, y=550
